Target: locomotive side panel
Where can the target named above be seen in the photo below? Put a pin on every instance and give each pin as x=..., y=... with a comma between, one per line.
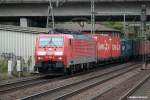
x=82, y=50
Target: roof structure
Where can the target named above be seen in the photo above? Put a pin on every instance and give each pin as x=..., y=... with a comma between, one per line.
x=46, y=1
x=83, y=27
x=24, y=29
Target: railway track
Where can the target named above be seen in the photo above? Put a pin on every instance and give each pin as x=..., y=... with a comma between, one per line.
x=10, y=86
x=135, y=88
x=74, y=88
x=130, y=88
x=13, y=85
x=26, y=82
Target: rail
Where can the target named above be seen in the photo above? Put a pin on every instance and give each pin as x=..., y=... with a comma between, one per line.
x=92, y=80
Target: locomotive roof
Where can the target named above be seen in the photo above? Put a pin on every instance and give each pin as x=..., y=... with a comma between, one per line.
x=77, y=36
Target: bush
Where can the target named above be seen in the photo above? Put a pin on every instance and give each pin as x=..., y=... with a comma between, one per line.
x=3, y=66
x=4, y=69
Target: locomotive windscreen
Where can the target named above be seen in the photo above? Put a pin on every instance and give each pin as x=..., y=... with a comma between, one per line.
x=51, y=41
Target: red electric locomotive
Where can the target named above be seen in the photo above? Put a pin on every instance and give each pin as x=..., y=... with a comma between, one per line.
x=64, y=52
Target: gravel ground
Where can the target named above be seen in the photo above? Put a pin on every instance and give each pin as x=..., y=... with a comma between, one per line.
x=15, y=80
x=122, y=88
x=51, y=85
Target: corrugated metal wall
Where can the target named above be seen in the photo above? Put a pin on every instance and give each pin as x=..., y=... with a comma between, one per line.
x=18, y=43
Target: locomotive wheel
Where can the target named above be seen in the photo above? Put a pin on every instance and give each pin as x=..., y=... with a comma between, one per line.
x=88, y=66
x=41, y=70
x=71, y=70
x=67, y=71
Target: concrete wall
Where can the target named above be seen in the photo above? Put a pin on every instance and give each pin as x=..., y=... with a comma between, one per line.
x=45, y=1
x=72, y=9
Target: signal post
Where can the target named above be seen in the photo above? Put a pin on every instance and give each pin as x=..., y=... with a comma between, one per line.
x=143, y=34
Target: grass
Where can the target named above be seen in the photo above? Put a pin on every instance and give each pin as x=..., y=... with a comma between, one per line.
x=3, y=66
x=3, y=69
x=4, y=76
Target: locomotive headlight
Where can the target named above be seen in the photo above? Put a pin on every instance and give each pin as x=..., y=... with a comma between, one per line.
x=41, y=53
x=59, y=58
x=39, y=58
x=58, y=53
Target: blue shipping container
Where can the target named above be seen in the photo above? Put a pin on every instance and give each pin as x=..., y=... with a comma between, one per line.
x=126, y=48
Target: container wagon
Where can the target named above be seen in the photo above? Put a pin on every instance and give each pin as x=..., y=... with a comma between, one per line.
x=126, y=49
x=140, y=48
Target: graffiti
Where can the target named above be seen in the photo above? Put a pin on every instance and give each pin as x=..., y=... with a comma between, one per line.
x=10, y=56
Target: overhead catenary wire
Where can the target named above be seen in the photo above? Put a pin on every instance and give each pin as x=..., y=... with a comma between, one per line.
x=143, y=33
x=92, y=16
x=50, y=12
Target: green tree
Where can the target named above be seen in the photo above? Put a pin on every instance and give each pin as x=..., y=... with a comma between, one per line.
x=115, y=25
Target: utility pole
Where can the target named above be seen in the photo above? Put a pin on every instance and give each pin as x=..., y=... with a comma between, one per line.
x=92, y=16
x=50, y=12
x=124, y=21
x=143, y=33
x=60, y=2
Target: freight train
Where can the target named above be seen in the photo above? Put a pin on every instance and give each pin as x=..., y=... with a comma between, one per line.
x=69, y=51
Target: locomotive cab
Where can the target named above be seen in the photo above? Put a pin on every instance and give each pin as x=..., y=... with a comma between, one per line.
x=49, y=53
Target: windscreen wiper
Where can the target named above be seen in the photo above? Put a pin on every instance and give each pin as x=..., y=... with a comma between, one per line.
x=51, y=42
